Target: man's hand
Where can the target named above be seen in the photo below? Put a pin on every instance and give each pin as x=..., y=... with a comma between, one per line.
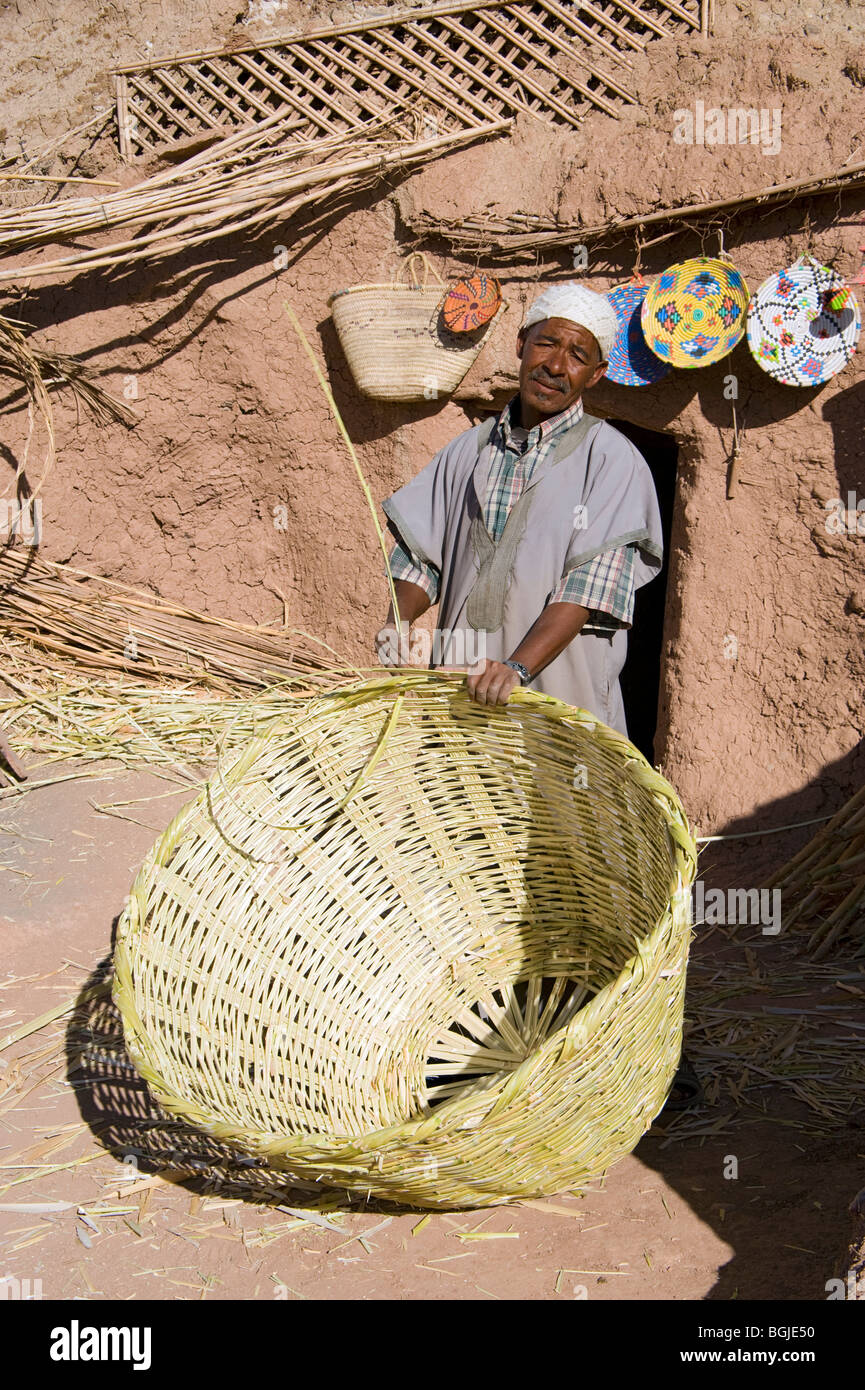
x=393, y=646
x=492, y=683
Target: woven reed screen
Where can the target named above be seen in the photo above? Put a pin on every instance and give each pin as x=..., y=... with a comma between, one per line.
x=410, y=946
x=463, y=65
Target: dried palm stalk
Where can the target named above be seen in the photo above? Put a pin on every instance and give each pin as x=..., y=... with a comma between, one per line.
x=61, y=369
x=254, y=176
x=104, y=626
x=823, y=887
x=517, y=233
x=18, y=359
x=38, y=370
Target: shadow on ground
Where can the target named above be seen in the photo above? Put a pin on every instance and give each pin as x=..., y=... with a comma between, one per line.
x=782, y=1205
x=125, y=1119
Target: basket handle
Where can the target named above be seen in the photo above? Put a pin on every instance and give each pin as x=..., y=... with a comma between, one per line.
x=409, y=265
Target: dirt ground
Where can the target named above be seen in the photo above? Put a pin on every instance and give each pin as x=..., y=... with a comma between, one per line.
x=134, y=1210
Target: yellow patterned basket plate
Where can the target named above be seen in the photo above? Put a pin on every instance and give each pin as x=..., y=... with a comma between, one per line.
x=409, y=946
x=694, y=313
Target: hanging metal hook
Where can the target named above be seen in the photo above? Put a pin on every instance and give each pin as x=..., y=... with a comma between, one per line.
x=733, y=471
x=637, y=272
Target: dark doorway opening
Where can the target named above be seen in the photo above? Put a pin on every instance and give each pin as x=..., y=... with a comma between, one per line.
x=641, y=677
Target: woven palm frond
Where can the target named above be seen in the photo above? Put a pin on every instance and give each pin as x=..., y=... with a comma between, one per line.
x=411, y=946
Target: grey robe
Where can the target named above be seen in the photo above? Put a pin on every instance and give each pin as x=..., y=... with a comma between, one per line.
x=439, y=518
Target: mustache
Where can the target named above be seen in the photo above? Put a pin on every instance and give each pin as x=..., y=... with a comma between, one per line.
x=542, y=375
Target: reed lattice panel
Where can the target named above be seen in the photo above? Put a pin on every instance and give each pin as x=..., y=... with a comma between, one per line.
x=458, y=65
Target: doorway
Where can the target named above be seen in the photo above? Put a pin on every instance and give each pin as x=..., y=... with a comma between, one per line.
x=641, y=676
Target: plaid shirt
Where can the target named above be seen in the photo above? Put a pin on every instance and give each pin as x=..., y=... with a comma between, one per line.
x=604, y=585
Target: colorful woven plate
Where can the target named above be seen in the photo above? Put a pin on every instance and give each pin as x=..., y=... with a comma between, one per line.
x=471, y=303
x=694, y=313
x=632, y=362
x=803, y=324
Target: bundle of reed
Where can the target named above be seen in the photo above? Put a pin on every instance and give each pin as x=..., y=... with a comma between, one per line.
x=254, y=176
x=18, y=359
x=37, y=370
x=518, y=232
x=823, y=887
x=106, y=626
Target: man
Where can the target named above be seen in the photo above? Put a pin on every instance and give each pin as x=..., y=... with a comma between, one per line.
x=533, y=531
x=535, y=534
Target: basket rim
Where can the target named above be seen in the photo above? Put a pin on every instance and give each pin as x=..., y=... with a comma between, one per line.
x=440, y=290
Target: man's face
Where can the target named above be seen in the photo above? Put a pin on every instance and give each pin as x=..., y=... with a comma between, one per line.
x=559, y=360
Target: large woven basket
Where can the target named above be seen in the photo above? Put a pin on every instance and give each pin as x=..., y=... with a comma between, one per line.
x=414, y=947
x=396, y=341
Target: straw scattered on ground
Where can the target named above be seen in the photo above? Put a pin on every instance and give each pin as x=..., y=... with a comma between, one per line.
x=764, y=1024
x=760, y=1031
x=757, y=1030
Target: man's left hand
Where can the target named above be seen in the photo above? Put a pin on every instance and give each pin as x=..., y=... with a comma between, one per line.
x=492, y=683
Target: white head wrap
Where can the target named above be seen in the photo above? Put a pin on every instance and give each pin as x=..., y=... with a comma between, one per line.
x=581, y=305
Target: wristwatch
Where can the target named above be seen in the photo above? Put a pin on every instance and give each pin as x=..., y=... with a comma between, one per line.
x=525, y=677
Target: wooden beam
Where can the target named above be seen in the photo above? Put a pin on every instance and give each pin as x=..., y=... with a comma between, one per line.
x=121, y=98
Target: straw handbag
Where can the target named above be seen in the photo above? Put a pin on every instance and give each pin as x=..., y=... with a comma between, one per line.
x=415, y=947
x=396, y=341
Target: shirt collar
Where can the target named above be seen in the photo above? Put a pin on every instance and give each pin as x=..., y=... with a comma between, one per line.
x=554, y=426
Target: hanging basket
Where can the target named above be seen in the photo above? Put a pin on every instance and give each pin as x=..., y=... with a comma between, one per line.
x=471, y=303
x=395, y=338
x=415, y=947
x=631, y=361
x=803, y=324
x=694, y=313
